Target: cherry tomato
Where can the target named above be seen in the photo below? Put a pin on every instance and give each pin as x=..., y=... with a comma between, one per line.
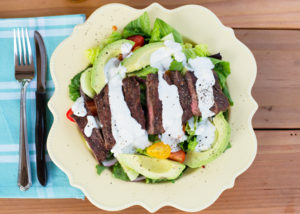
x=114, y=28
x=68, y=114
x=177, y=156
x=138, y=40
x=92, y=107
x=159, y=150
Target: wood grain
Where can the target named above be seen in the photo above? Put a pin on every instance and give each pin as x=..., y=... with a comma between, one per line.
x=270, y=186
x=234, y=13
x=277, y=86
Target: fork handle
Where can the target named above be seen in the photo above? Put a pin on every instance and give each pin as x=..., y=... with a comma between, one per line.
x=24, y=172
x=40, y=136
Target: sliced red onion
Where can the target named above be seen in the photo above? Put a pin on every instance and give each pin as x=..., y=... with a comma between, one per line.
x=109, y=163
x=140, y=178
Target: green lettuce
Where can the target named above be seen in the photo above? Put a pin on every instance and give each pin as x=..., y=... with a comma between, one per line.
x=222, y=68
x=192, y=52
x=92, y=53
x=118, y=172
x=176, y=66
x=100, y=169
x=201, y=50
x=139, y=26
x=74, y=87
x=161, y=29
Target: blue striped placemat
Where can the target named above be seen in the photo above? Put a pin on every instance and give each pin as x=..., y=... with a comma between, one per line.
x=54, y=30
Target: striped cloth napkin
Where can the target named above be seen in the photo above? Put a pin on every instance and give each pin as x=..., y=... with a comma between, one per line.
x=54, y=30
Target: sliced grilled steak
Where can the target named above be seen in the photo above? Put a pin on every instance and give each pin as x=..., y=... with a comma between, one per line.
x=184, y=95
x=131, y=90
x=154, y=125
x=95, y=141
x=104, y=114
x=221, y=101
x=191, y=83
x=167, y=77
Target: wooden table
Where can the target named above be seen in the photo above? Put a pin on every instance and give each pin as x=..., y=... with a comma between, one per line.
x=270, y=28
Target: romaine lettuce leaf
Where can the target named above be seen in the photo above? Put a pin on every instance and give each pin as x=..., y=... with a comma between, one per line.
x=201, y=50
x=192, y=52
x=100, y=169
x=161, y=29
x=176, y=66
x=74, y=87
x=139, y=26
x=118, y=172
x=223, y=70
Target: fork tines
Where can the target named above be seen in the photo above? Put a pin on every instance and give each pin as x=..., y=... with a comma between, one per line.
x=23, y=54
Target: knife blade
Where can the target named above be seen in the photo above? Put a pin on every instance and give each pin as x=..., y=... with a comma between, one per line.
x=40, y=123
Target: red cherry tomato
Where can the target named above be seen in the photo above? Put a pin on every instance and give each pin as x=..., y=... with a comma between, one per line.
x=68, y=114
x=138, y=39
x=177, y=156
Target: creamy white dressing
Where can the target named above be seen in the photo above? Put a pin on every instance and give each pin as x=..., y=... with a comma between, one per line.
x=168, y=94
x=91, y=124
x=127, y=132
x=78, y=108
x=126, y=49
x=202, y=67
x=205, y=132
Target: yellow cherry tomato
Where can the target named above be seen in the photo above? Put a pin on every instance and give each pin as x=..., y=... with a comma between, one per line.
x=159, y=150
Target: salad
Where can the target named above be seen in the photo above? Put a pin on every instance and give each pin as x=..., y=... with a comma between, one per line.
x=151, y=105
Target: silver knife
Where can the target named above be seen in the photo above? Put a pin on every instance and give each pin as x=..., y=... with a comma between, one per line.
x=40, y=123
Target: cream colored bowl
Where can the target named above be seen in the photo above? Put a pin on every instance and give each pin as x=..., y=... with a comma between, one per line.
x=197, y=189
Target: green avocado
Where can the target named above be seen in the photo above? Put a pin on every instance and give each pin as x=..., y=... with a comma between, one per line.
x=150, y=167
x=85, y=83
x=108, y=52
x=197, y=159
x=141, y=57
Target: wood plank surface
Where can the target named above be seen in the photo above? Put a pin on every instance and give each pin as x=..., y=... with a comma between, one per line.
x=234, y=13
x=277, y=86
x=270, y=186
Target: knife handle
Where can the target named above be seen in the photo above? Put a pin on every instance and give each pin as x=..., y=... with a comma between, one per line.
x=40, y=137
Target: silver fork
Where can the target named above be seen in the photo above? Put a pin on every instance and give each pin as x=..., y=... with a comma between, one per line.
x=24, y=72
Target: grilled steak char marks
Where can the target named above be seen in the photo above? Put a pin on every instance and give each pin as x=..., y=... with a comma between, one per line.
x=95, y=141
x=221, y=102
x=191, y=83
x=154, y=123
x=104, y=114
x=131, y=91
x=184, y=95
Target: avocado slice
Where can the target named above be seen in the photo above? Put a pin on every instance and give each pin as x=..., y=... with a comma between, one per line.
x=197, y=159
x=140, y=58
x=98, y=79
x=150, y=167
x=132, y=175
x=85, y=83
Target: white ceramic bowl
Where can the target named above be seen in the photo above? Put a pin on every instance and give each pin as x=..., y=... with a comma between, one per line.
x=197, y=189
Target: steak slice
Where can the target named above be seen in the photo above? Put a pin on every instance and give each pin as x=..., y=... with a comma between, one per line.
x=221, y=101
x=154, y=125
x=95, y=141
x=191, y=83
x=104, y=114
x=132, y=95
x=184, y=95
